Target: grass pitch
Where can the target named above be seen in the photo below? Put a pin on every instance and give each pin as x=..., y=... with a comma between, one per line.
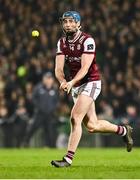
x=88, y=164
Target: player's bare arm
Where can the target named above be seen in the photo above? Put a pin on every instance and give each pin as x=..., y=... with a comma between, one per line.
x=86, y=61
x=59, y=71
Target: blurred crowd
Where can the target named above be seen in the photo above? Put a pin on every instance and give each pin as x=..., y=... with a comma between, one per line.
x=115, y=26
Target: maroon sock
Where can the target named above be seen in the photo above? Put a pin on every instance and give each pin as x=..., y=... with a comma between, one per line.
x=70, y=154
x=121, y=130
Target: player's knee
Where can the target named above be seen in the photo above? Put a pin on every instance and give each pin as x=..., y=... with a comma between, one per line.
x=93, y=127
x=75, y=119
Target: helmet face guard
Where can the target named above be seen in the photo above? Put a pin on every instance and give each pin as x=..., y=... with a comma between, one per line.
x=70, y=14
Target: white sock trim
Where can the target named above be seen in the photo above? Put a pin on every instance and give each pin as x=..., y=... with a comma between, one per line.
x=124, y=133
x=68, y=160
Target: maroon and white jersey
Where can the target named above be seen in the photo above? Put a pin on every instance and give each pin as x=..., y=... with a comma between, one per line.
x=73, y=50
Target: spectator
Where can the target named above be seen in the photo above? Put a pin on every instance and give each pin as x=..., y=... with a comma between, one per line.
x=7, y=128
x=20, y=120
x=45, y=99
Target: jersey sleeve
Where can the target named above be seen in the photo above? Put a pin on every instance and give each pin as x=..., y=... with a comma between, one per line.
x=59, y=50
x=89, y=46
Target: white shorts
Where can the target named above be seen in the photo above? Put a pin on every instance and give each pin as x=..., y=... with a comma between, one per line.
x=91, y=89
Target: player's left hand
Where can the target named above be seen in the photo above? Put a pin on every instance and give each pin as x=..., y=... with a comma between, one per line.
x=69, y=86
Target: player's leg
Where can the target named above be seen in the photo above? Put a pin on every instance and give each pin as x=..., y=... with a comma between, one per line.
x=95, y=125
x=78, y=112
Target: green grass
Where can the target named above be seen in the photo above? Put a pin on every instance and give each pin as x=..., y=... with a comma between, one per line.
x=88, y=163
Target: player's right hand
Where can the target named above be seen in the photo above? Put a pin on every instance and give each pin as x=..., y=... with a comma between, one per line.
x=63, y=85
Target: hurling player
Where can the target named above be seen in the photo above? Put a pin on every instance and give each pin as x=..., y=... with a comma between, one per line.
x=77, y=50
